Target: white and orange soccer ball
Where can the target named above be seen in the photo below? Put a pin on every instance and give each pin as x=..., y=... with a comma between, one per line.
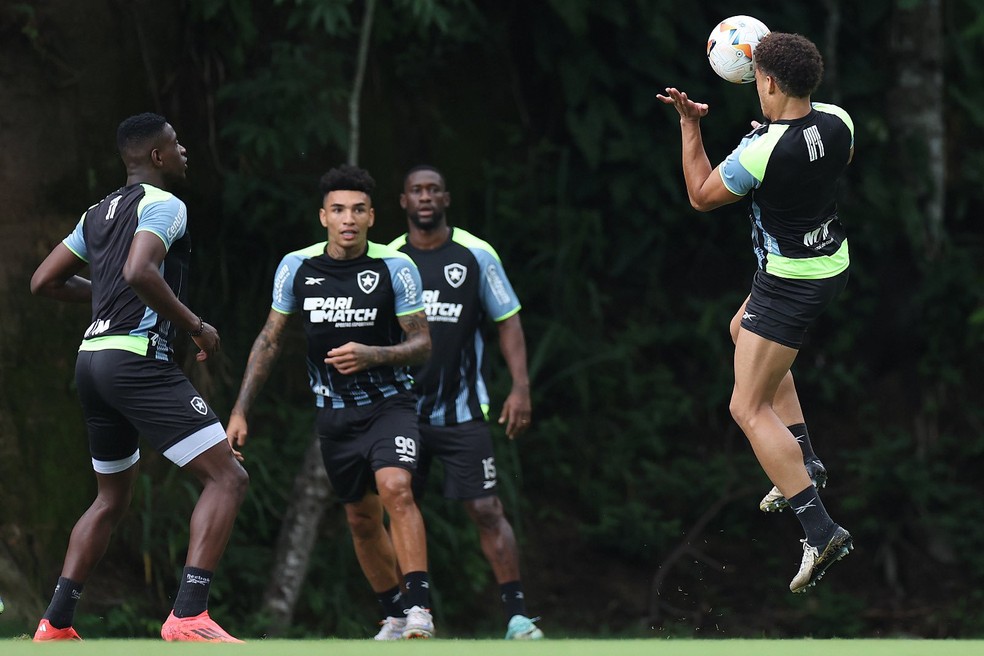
x=731, y=46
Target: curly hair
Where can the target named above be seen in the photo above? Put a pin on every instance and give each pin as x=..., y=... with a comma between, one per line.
x=792, y=60
x=347, y=178
x=139, y=129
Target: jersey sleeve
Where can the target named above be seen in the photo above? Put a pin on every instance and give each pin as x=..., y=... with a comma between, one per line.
x=495, y=290
x=163, y=214
x=738, y=179
x=75, y=241
x=407, y=285
x=284, y=300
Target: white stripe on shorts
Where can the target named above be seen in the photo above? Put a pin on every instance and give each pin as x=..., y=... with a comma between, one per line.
x=115, y=466
x=195, y=444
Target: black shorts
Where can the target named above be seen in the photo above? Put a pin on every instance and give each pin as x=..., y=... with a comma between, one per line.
x=124, y=395
x=782, y=309
x=356, y=442
x=468, y=457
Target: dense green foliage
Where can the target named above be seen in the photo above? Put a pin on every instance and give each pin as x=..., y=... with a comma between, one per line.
x=635, y=494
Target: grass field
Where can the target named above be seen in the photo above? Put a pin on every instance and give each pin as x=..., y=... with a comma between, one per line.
x=502, y=648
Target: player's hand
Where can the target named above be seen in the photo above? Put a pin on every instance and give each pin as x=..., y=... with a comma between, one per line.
x=208, y=342
x=516, y=413
x=687, y=108
x=236, y=432
x=756, y=125
x=350, y=358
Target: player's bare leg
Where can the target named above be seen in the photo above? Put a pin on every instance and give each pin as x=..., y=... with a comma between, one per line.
x=410, y=545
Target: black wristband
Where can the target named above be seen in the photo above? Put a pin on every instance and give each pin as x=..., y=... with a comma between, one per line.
x=201, y=328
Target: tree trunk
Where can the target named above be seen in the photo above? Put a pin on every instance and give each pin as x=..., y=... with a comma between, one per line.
x=916, y=112
x=312, y=490
x=310, y=496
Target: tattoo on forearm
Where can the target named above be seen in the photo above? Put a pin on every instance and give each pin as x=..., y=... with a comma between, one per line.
x=264, y=353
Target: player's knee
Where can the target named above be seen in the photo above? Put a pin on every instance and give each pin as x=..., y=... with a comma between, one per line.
x=487, y=512
x=746, y=414
x=362, y=525
x=233, y=479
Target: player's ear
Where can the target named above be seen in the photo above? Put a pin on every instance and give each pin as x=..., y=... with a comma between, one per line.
x=403, y=201
x=323, y=217
x=372, y=216
x=447, y=199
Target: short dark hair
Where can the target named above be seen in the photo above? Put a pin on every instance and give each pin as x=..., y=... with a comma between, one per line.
x=424, y=167
x=792, y=60
x=347, y=178
x=139, y=129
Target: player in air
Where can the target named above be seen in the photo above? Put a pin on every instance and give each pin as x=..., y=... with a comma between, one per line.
x=790, y=166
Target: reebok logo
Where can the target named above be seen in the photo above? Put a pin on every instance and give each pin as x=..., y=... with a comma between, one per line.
x=806, y=506
x=197, y=580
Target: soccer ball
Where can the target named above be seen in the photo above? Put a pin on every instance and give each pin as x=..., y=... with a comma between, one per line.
x=730, y=46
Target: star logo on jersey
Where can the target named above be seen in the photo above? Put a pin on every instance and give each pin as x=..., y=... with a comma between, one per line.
x=455, y=274
x=199, y=405
x=308, y=280
x=368, y=281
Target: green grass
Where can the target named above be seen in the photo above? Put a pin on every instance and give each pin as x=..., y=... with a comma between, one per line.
x=651, y=647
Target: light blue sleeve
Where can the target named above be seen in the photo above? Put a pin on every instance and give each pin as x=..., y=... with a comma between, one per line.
x=75, y=241
x=407, y=285
x=495, y=290
x=284, y=300
x=163, y=214
x=735, y=176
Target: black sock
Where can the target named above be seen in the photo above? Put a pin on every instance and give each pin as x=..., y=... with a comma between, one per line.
x=513, y=602
x=61, y=610
x=192, y=597
x=817, y=524
x=391, y=601
x=803, y=439
x=418, y=589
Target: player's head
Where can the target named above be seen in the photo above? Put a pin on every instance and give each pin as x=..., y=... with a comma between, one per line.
x=347, y=178
x=425, y=197
x=792, y=60
x=148, y=143
x=346, y=208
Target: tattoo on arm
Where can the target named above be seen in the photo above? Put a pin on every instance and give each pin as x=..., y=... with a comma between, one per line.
x=266, y=349
x=415, y=349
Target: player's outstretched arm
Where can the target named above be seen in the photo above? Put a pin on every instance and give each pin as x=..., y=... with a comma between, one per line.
x=266, y=349
x=517, y=409
x=705, y=189
x=56, y=277
x=353, y=357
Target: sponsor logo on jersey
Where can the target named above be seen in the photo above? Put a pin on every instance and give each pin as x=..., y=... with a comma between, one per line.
x=496, y=285
x=455, y=274
x=405, y=276
x=278, y=283
x=97, y=327
x=437, y=311
x=198, y=404
x=308, y=280
x=368, y=281
x=178, y=223
x=338, y=310
x=819, y=238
